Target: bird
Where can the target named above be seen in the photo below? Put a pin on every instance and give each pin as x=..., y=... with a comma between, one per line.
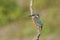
x=36, y=20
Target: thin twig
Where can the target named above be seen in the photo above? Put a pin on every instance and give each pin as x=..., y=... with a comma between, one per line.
x=31, y=10
x=37, y=36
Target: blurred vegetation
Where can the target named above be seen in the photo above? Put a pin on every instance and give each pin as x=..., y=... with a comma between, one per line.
x=18, y=10
x=9, y=11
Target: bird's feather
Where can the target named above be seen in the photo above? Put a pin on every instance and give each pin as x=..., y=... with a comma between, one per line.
x=39, y=21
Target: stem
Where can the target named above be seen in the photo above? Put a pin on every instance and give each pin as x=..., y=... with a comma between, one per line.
x=31, y=10
x=37, y=36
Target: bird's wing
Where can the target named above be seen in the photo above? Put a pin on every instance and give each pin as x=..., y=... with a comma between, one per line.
x=39, y=21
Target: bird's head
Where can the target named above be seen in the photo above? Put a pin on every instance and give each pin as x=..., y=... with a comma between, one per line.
x=35, y=14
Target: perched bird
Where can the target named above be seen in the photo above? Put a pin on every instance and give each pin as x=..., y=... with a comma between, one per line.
x=37, y=21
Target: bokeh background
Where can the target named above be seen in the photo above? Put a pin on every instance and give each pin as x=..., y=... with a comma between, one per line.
x=16, y=24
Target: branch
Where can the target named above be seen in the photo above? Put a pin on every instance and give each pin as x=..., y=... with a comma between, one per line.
x=37, y=36
x=31, y=10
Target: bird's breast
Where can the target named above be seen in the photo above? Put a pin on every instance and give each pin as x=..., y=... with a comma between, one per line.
x=35, y=22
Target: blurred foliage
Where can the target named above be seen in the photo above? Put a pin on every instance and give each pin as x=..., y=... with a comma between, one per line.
x=9, y=11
